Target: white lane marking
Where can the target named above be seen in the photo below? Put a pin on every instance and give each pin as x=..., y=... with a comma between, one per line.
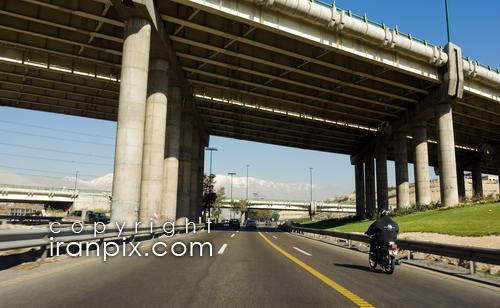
x=232, y=235
x=221, y=250
x=275, y=237
x=304, y=252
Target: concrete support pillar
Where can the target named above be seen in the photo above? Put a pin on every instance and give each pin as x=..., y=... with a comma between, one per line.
x=172, y=149
x=201, y=175
x=460, y=182
x=195, y=166
x=370, y=187
x=446, y=155
x=402, y=184
x=360, y=189
x=382, y=191
x=183, y=206
x=477, y=180
x=154, y=141
x=131, y=116
x=421, y=165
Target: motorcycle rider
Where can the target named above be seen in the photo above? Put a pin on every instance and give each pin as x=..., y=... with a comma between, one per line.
x=383, y=230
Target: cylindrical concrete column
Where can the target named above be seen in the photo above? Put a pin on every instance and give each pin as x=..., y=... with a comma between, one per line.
x=201, y=174
x=154, y=142
x=369, y=187
x=131, y=116
x=446, y=148
x=421, y=164
x=183, y=205
x=460, y=182
x=477, y=180
x=401, y=165
x=382, y=191
x=172, y=149
x=360, y=189
x=195, y=167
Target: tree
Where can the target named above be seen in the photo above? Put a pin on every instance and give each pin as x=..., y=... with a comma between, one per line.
x=240, y=206
x=217, y=206
x=263, y=215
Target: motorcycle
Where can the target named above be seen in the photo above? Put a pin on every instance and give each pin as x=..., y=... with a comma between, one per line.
x=385, y=256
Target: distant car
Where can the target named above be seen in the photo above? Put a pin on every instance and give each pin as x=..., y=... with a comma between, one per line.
x=98, y=217
x=234, y=223
x=251, y=224
x=86, y=217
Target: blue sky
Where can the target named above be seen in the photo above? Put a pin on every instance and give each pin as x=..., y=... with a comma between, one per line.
x=474, y=27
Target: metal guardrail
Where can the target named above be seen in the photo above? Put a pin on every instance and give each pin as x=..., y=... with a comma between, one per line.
x=26, y=238
x=29, y=218
x=483, y=255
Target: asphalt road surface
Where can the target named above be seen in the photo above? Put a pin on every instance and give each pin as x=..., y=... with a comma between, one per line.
x=248, y=269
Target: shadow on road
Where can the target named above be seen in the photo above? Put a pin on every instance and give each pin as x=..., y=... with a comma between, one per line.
x=359, y=267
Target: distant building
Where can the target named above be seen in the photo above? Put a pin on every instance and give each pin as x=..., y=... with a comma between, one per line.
x=490, y=178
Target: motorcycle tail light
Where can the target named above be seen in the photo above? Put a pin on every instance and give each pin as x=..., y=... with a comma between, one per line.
x=394, y=246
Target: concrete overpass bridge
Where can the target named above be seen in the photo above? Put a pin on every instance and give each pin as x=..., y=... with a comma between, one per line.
x=294, y=73
x=18, y=193
x=286, y=205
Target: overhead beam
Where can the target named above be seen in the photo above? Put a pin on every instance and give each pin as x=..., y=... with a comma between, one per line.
x=272, y=89
x=303, y=133
x=296, y=83
x=61, y=40
x=254, y=43
x=257, y=138
x=295, y=123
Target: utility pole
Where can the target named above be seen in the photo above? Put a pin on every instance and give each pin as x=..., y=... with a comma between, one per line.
x=231, y=174
x=311, y=184
x=76, y=179
x=211, y=150
x=447, y=20
x=247, y=180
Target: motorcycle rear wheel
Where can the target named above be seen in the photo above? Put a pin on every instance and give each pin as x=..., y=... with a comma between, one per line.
x=373, y=264
x=389, y=268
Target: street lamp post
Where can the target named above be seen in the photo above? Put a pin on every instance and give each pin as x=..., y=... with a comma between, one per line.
x=447, y=20
x=247, y=180
x=211, y=151
x=231, y=190
x=76, y=179
x=311, y=191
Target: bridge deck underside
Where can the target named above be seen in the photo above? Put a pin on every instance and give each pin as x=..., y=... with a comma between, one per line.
x=249, y=83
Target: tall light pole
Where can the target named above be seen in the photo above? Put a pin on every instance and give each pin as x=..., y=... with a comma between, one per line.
x=311, y=182
x=231, y=174
x=76, y=179
x=447, y=20
x=247, y=180
x=211, y=150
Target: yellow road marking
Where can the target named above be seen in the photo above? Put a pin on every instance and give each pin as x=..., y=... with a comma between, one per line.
x=429, y=271
x=27, y=277
x=337, y=287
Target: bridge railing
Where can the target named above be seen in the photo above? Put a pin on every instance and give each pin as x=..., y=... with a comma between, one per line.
x=42, y=237
x=476, y=254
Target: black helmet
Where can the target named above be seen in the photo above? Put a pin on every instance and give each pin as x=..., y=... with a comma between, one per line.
x=384, y=213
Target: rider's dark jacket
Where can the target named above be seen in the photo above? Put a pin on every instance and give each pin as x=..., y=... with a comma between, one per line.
x=384, y=229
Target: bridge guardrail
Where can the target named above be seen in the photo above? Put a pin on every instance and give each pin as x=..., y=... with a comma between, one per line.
x=27, y=238
x=30, y=218
x=476, y=254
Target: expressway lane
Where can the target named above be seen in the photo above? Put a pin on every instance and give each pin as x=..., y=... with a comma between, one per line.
x=409, y=286
x=248, y=272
